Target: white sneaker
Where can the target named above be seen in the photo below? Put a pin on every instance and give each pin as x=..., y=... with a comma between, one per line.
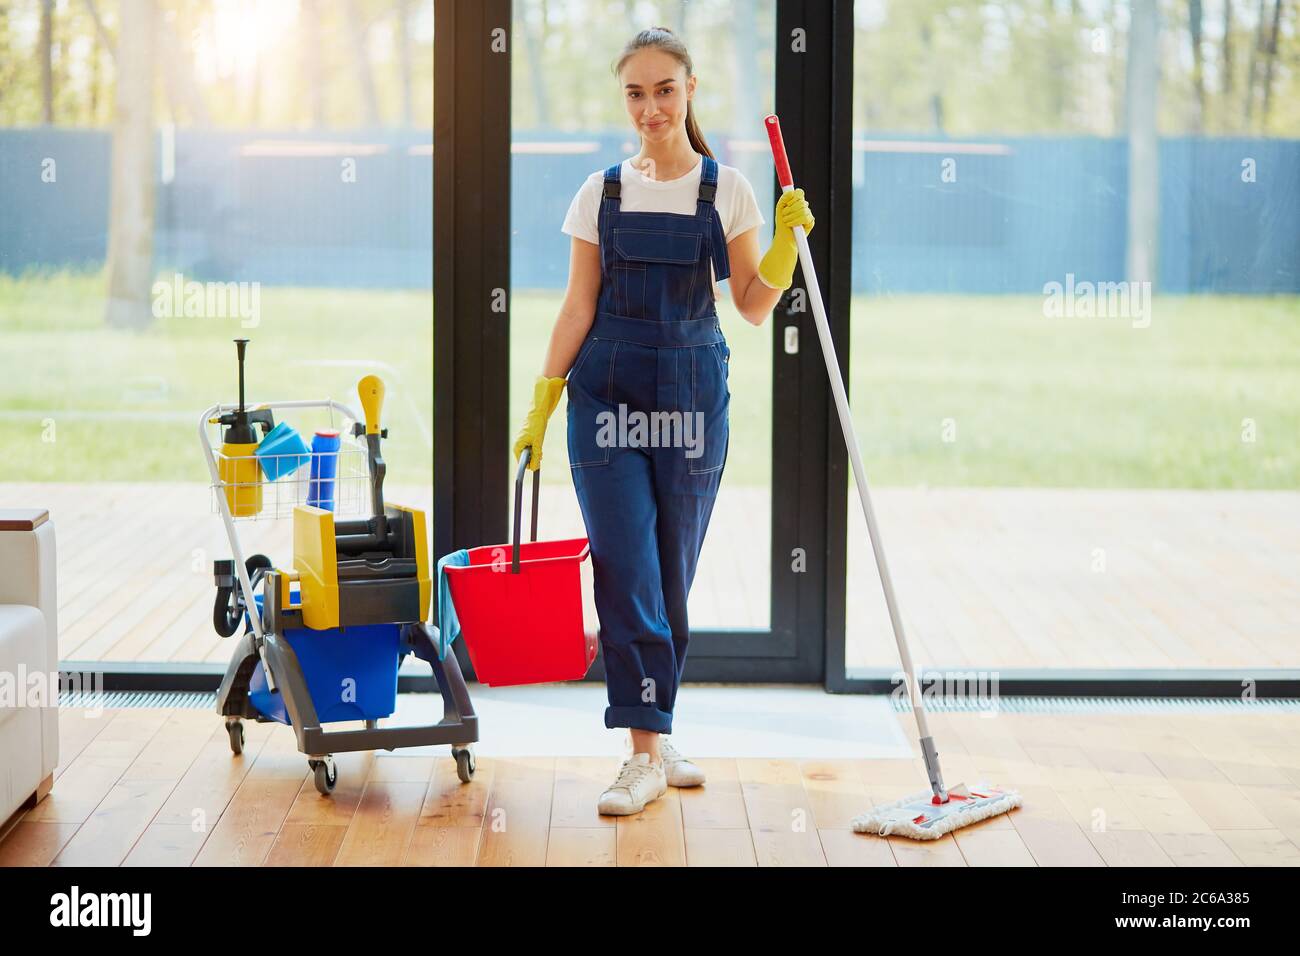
x=679, y=771
x=639, y=781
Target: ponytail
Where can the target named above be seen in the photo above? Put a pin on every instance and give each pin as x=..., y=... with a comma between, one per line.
x=694, y=135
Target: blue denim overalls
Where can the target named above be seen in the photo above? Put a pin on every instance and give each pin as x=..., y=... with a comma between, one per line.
x=655, y=348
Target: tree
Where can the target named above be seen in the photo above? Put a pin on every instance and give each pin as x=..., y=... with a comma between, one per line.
x=1255, y=50
x=8, y=63
x=936, y=96
x=536, y=71
x=1143, y=143
x=95, y=80
x=313, y=73
x=131, y=197
x=404, y=59
x=1268, y=67
x=359, y=34
x=45, y=49
x=182, y=87
x=1195, y=24
x=1225, y=52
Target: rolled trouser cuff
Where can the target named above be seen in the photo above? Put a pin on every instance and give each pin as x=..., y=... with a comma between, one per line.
x=639, y=718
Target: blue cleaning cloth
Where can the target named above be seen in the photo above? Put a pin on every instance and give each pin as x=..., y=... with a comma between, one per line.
x=448, y=622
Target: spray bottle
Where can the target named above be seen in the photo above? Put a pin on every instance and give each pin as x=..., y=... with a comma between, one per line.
x=238, y=466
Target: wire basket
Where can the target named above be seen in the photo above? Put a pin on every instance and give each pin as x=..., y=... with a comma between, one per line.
x=251, y=495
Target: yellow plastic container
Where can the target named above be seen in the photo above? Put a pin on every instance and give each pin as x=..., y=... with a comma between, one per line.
x=241, y=477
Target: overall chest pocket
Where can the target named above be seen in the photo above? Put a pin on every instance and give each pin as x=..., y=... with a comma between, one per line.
x=654, y=266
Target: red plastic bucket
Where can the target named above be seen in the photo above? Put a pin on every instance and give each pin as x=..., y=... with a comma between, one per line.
x=525, y=627
x=520, y=605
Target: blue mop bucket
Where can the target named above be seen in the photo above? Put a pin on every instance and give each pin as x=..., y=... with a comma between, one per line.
x=350, y=672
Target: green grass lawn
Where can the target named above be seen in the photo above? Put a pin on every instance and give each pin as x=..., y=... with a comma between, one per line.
x=1065, y=402
x=1027, y=400
x=125, y=406
x=1082, y=402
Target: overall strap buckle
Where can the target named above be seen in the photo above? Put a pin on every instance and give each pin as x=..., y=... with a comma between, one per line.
x=611, y=203
x=714, y=239
x=709, y=180
x=613, y=185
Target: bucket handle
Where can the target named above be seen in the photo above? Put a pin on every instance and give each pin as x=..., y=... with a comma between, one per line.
x=519, y=506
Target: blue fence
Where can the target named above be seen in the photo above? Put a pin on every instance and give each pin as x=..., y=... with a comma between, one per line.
x=1038, y=209
x=1009, y=216
x=353, y=209
x=984, y=216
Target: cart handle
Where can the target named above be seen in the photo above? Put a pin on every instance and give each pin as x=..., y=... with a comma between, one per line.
x=519, y=506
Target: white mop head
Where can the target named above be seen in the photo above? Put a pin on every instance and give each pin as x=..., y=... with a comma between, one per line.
x=920, y=818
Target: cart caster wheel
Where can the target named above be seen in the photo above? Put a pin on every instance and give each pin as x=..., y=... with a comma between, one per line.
x=326, y=776
x=465, y=765
x=235, y=730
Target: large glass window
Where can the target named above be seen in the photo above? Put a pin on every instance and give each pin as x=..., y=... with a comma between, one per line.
x=170, y=181
x=1075, y=332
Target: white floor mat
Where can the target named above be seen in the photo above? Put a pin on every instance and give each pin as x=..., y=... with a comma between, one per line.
x=710, y=720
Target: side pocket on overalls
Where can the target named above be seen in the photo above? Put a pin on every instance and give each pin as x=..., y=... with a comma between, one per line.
x=591, y=386
x=711, y=399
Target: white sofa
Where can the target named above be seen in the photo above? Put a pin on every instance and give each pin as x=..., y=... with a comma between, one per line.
x=29, y=735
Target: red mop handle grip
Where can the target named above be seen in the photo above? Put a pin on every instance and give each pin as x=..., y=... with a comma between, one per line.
x=778, y=151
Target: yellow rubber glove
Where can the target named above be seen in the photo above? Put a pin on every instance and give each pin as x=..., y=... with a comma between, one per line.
x=777, y=266
x=546, y=395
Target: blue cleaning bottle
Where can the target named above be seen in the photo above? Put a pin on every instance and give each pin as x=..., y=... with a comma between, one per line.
x=324, y=468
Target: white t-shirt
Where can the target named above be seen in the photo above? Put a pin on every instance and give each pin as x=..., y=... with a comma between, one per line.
x=737, y=207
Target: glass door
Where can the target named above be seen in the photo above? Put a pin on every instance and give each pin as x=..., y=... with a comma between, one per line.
x=1073, y=338
x=568, y=121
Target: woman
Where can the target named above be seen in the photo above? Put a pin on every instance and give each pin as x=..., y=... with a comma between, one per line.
x=639, y=339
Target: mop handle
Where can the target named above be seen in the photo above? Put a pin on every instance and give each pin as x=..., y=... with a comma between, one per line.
x=846, y=424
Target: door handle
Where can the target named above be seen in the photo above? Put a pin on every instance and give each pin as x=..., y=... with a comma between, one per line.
x=791, y=340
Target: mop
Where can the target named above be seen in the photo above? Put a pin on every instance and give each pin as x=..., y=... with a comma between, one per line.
x=927, y=815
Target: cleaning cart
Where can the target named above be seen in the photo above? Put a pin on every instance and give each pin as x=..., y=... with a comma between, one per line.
x=324, y=636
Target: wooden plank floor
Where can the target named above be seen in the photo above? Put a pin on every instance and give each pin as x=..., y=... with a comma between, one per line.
x=1006, y=578
x=1052, y=578
x=160, y=787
